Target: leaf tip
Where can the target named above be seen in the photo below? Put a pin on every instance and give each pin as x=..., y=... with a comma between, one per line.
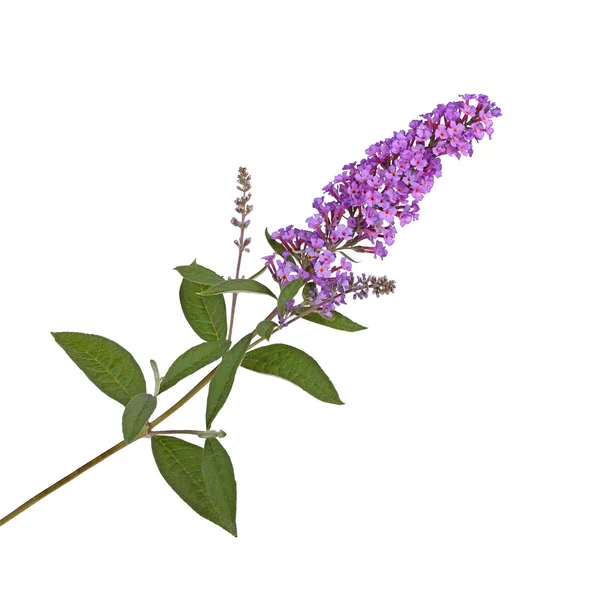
x=231, y=528
x=58, y=337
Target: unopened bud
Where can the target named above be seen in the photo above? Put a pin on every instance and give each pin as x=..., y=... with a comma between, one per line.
x=212, y=434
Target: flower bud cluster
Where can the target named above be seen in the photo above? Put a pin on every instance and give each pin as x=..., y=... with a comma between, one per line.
x=243, y=208
x=366, y=284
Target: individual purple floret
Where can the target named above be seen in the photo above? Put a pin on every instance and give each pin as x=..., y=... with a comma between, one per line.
x=369, y=199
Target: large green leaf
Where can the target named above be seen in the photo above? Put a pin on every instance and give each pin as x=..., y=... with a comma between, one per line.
x=180, y=464
x=206, y=315
x=217, y=471
x=108, y=366
x=288, y=292
x=192, y=360
x=136, y=415
x=337, y=321
x=295, y=366
x=199, y=274
x=224, y=376
x=233, y=286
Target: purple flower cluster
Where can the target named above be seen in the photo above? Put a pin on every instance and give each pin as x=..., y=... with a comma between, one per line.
x=367, y=201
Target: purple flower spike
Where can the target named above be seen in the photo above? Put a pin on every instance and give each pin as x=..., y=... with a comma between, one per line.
x=369, y=198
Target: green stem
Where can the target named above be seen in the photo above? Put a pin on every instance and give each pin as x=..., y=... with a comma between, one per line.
x=201, y=434
x=201, y=384
x=176, y=432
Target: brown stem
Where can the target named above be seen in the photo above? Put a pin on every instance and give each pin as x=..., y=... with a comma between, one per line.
x=237, y=270
x=245, y=187
x=62, y=482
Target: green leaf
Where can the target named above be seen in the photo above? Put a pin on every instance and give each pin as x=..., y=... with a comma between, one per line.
x=217, y=471
x=192, y=360
x=256, y=275
x=156, y=377
x=180, y=464
x=236, y=286
x=349, y=258
x=289, y=291
x=136, y=415
x=108, y=366
x=276, y=246
x=265, y=328
x=224, y=376
x=199, y=274
x=337, y=321
x=295, y=366
x=206, y=315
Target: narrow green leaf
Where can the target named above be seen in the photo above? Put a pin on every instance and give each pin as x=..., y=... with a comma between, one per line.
x=217, y=471
x=295, y=366
x=349, y=258
x=206, y=315
x=278, y=247
x=136, y=415
x=192, y=360
x=180, y=464
x=224, y=376
x=256, y=275
x=337, y=321
x=235, y=286
x=156, y=377
x=275, y=245
x=199, y=274
x=289, y=291
x=108, y=366
x=265, y=328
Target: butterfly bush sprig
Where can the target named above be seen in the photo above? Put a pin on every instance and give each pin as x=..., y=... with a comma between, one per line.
x=360, y=211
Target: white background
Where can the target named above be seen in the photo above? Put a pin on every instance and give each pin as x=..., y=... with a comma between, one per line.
x=458, y=466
